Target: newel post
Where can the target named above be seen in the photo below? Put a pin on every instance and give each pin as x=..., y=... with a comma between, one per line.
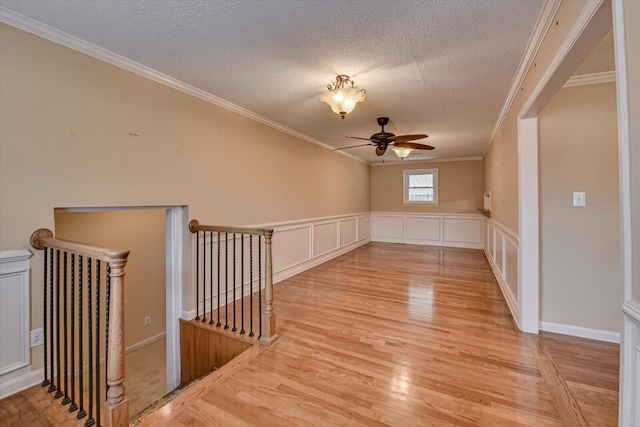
x=269, y=334
x=116, y=407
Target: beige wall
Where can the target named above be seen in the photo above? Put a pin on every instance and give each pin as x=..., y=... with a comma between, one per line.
x=143, y=233
x=460, y=187
x=503, y=179
x=65, y=142
x=580, y=270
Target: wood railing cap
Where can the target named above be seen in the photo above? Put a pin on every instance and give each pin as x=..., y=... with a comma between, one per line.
x=43, y=237
x=195, y=226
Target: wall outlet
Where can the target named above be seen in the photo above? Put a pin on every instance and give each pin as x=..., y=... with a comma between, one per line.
x=579, y=198
x=147, y=321
x=37, y=337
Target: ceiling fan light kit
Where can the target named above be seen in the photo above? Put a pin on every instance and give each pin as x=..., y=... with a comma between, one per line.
x=402, y=152
x=400, y=144
x=342, y=96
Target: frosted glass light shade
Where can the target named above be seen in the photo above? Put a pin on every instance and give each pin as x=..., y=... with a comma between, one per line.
x=343, y=100
x=402, y=152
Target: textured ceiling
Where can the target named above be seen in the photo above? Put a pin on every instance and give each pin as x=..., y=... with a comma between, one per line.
x=438, y=67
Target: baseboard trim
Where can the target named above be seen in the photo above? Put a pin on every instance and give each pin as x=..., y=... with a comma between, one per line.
x=512, y=303
x=298, y=268
x=145, y=342
x=308, y=264
x=578, y=331
x=8, y=388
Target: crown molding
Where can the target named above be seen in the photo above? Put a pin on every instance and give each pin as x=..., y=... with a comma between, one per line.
x=49, y=33
x=545, y=19
x=591, y=79
x=442, y=160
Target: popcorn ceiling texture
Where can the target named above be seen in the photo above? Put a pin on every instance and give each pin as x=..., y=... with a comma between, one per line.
x=438, y=67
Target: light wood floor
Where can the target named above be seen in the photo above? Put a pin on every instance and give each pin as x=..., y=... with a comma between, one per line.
x=403, y=335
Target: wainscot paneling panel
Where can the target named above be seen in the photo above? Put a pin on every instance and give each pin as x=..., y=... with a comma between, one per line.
x=462, y=231
x=364, y=227
x=291, y=247
x=325, y=238
x=427, y=229
x=348, y=231
x=456, y=230
x=501, y=249
x=14, y=311
x=387, y=227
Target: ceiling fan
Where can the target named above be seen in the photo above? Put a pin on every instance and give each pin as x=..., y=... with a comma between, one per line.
x=400, y=144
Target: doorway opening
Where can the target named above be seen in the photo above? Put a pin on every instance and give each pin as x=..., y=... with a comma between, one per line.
x=154, y=280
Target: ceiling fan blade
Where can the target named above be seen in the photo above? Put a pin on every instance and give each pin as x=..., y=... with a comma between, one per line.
x=358, y=137
x=403, y=138
x=413, y=145
x=351, y=146
x=380, y=151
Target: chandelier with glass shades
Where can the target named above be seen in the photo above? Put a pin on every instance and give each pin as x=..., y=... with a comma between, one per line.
x=342, y=95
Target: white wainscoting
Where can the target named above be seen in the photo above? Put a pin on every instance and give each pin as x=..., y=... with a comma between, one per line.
x=14, y=310
x=15, y=322
x=300, y=245
x=501, y=248
x=297, y=246
x=454, y=230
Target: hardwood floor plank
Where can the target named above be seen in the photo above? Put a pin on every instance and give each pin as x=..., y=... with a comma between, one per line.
x=402, y=335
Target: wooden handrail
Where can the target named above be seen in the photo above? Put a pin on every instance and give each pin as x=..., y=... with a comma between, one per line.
x=43, y=237
x=116, y=407
x=194, y=226
x=269, y=335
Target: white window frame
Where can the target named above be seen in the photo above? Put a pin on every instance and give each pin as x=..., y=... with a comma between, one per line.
x=405, y=185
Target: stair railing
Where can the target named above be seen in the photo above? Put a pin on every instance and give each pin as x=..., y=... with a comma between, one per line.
x=228, y=277
x=81, y=273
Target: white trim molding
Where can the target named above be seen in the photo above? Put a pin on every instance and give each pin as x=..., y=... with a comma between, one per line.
x=501, y=247
x=299, y=245
x=15, y=309
x=545, y=19
x=452, y=230
x=49, y=33
x=591, y=79
x=578, y=331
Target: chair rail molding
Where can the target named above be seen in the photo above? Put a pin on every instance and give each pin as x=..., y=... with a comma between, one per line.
x=299, y=245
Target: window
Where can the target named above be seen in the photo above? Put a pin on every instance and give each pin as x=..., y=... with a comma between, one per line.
x=421, y=187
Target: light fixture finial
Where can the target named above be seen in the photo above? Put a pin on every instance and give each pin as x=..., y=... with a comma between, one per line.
x=341, y=99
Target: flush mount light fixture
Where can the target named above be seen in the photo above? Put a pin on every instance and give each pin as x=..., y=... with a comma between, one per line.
x=343, y=95
x=402, y=152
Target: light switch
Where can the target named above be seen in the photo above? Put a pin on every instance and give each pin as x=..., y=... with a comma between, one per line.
x=579, y=198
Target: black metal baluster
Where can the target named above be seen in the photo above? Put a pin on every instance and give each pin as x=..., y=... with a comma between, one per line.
x=259, y=286
x=45, y=381
x=197, y=275
x=218, y=298
x=59, y=393
x=106, y=344
x=251, y=285
x=204, y=277
x=81, y=413
x=52, y=386
x=73, y=405
x=234, y=283
x=66, y=399
x=90, y=421
x=211, y=322
x=98, y=403
x=242, y=331
x=226, y=280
